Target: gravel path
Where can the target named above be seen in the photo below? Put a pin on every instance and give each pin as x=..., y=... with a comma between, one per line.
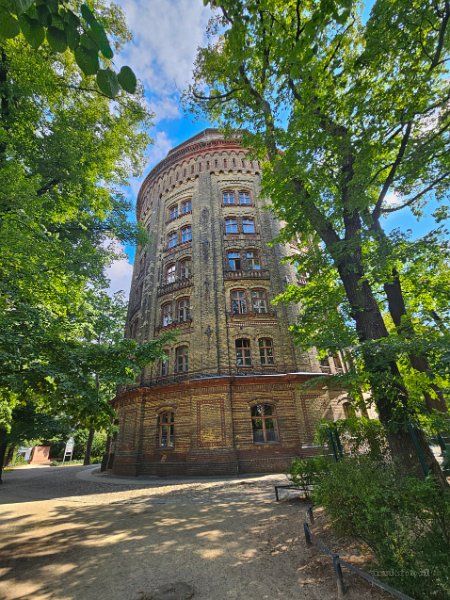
x=69, y=534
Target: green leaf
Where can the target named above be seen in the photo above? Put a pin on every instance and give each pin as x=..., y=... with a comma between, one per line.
x=88, y=42
x=73, y=37
x=72, y=19
x=32, y=31
x=44, y=15
x=53, y=6
x=87, y=60
x=57, y=21
x=56, y=39
x=87, y=14
x=98, y=34
x=127, y=79
x=9, y=26
x=21, y=6
x=107, y=82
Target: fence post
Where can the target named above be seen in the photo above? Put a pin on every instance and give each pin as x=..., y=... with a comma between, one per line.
x=310, y=513
x=307, y=534
x=333, y=445
x=419, y=450
x=339, y=577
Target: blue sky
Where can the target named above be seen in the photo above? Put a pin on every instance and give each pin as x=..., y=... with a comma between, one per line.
x=166, y=36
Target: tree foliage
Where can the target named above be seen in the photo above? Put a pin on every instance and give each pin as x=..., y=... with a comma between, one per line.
x=68, y=25
x=351, y=121
x=66, y=151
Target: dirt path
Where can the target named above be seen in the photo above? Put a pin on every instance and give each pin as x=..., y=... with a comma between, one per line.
x=66, y=538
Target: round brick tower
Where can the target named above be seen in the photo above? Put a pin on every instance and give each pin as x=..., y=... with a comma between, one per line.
x=227, y=399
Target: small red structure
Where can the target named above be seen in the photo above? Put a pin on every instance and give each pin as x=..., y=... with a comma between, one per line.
x=40, y=455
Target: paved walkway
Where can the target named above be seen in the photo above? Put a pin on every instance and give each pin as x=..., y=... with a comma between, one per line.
x=70, y=534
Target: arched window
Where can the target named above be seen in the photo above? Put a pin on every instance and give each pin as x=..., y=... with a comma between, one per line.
x=253, y=260
x=231, y=225
x=234, y=260
x=164, y=365
x=243, y=354
x=181, y=359
x=166, y=310
x=266, y=351
x=186, y=207
x=166, y=429
x=173, y=212
x=186, y=234
x=264, y=424
x=244, y=197
x=172, y=239
x=248, y=225
x=228, y=197
x=170, y=273
x=238, y=302
x=185, y=268
x=259, y=301
x=184, y=311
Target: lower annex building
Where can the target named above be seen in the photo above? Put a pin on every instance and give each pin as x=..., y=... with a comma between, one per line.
x=228, y=398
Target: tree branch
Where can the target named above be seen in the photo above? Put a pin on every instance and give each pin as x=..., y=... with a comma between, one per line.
x=417, y=196
x=47, y=187
x=441, y=37
x=391, y=175
x=215, y=97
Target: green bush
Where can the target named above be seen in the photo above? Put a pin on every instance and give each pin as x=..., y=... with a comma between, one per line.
x=357, y=435
x=404, y=520
x=305, y=472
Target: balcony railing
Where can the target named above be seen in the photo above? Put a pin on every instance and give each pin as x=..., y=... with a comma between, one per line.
x=247, y=274
x=173, y=286
x=174, y=325
x=269, y=313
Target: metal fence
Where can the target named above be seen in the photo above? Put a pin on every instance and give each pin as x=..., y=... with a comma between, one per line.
x=338, y=563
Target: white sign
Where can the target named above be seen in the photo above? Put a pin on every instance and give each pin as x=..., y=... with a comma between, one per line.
x=68, y=452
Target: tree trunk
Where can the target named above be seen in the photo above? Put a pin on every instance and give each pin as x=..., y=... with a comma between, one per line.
x=402, y=322
x=389, y=393
x=3, y=446
x=405, y=327
x=87, y=454
x=10, y=454
x=106, y=454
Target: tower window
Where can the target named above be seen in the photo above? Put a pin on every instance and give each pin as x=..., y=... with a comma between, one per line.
x=185, y=268
x=166, y=426
x=186, y=234
x=164, y=366
x=181, y=359
x=266, y=351
x=244, y=198
x=184, y=310
x=228, y=197
x=171, y=273
x=264, y=424
x=253, y=260
x=243, y=354
x=186, y=207
x=173, y=212
x=248, y=225
x=259, y=301
x=234, y=260
x=238, y=302
x=172, y=239
x=166, y=314
x=231, y=225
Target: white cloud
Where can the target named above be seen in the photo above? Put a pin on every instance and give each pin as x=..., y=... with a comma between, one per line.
x=120, y=271
x=166, y=34
x=391, y=199
x=159, y=149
